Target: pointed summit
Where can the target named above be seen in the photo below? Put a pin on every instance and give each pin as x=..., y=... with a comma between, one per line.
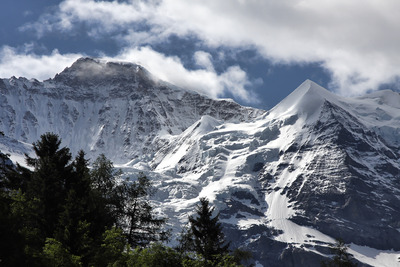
x=305, y=100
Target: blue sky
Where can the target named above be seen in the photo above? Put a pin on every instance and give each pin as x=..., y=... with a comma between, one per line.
x=254, y=51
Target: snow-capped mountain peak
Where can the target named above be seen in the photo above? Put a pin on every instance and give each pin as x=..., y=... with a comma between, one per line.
x=90, y=70
x=305, y=100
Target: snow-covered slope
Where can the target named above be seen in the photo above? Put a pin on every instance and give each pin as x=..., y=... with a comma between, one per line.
x=118, y=109
x=312, y=169
x=286, y=182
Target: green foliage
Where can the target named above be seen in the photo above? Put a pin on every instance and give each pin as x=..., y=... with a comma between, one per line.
x=341, y=257
x=29, y=228
x=55, y=254
x=157, y=255
x=195, y=260
x=113, y=250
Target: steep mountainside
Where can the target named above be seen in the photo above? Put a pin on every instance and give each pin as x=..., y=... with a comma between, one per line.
x=113, y=108
x=312, y=169
x=287, y=182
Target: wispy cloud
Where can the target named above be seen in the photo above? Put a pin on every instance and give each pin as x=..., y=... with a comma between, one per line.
x=14, y=62
x=203, y=80
x=356, y=41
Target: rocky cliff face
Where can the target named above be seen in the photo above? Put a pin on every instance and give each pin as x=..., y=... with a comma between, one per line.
x=286, y=182
x=314, y=168
x=113, y=108
x=349, y=187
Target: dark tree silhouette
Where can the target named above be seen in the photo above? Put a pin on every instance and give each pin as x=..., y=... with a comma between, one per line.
x=137, y=218
x=206, y=231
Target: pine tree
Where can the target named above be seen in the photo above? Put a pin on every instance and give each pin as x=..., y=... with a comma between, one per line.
x=62, y=212
x=104, y=176
x=38, y=196
x=208, y=238
x=73, y=230
x=48, y=181
x=136, y=213
x=105, y=204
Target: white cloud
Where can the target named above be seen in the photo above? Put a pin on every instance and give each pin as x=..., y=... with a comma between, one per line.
x=102, y=17
x=29, y=65
x=204, y=80
x=357, y=41
x=203, y=59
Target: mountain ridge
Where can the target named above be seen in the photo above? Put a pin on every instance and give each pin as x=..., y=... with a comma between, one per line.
x=134, y=107
x=286, y=181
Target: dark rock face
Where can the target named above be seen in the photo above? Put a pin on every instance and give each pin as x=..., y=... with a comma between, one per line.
x=351, y=189
x=124, y=109
x=343, y=182
x=88, y=72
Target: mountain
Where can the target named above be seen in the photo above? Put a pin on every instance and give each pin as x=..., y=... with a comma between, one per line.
x=286, y=182
x=103, y=107
x=314, y=167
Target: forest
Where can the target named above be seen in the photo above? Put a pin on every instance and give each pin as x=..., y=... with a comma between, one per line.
x=62, y=211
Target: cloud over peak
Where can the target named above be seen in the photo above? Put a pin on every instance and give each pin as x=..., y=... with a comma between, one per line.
x=356, y=41
x=204, y=80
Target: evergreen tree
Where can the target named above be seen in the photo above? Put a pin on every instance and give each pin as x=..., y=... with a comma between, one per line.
x=74, y=223
x=38, y=196
x=206, y=232
x=81, y=180
x=62, y=214
x=105, y=203
x=136, y=213
x=104, y=176
x=47, y=183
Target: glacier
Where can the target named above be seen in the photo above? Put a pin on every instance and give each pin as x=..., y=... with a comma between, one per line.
x=286, y=182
